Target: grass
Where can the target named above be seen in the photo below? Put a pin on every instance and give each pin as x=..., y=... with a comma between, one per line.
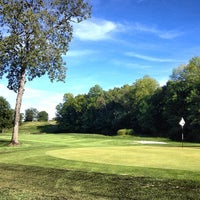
x=85, y=166
x=150, y=156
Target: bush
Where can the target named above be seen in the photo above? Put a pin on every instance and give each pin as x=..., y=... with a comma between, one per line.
x=124, y=132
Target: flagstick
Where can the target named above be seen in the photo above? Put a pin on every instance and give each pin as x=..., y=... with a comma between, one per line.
x=182, y=137
x=182, y=123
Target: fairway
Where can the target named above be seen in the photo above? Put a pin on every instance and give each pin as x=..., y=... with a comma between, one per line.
x=91, y=166
x=140, y=156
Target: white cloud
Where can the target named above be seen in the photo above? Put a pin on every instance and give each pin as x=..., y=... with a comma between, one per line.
x=39, y=99
x=164, y=34
x=131, y=65
x=150, y=58
x=79, y=53
x=96, y=29
x=169, y=34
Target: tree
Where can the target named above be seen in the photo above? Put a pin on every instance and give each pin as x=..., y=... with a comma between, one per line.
x=143, y=90
x=6, y=114
x=178, y=98
x=187, y=82
x=35, y=35
x=96, y=96
x=43, y=116
x=31, y=114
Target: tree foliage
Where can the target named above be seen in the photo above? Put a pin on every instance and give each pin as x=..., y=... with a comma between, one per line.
x=43, y=116
x=106, y=112
x=31, y=114
x=6, y=114
x=144, y=107
x=34, y=35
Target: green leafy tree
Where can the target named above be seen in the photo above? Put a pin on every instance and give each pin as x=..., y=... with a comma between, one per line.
x=143, y=90
x=34, y=36
x=188, y=73
x=66, y=113
x=96, y=96
x=179, y=98
x=31, y=114
x=187, y=82
x=6, y=114
x=43, y=116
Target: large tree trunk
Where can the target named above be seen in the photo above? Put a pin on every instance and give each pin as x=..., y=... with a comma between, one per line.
x=14, y=140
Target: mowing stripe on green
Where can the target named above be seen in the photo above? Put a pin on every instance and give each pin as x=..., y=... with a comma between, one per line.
x=143, y=156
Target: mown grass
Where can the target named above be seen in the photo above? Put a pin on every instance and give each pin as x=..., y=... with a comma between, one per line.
x=31, y=171
x=150, y=156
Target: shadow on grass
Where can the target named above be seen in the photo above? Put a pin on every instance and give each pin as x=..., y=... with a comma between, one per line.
x=49, y=128
x=48, y=183
x=4, y=143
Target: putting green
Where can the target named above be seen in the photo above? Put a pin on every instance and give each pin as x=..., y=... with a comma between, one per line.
x=143, y=156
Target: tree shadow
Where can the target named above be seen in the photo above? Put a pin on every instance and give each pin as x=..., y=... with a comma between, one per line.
x=4, y=143
x=49, y=128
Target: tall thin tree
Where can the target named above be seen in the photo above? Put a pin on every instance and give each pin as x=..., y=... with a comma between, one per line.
x=33, y=37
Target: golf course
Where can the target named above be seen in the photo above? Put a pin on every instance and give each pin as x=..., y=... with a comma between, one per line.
x=92, y=166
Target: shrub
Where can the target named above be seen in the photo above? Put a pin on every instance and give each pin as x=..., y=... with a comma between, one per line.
x=124, y=132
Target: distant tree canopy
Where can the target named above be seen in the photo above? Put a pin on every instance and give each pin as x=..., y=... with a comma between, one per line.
x=144, y=106
x=6, y=114
x=31, y=114
x=43, y=116
x=106, y=112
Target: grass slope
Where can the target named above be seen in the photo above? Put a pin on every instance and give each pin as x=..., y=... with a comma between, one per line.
x=83, y=166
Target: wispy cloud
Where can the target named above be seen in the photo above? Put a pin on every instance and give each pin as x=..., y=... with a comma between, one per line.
x=96, y=29
x=79, y=53
x=100, y=29
x=130, y=65
x=150, y=58
x=164, y=34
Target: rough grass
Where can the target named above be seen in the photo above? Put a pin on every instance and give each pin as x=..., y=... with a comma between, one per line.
x=28, y=182
x=56, y=166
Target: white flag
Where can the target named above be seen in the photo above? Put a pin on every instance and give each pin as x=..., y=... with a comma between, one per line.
x=182, y=122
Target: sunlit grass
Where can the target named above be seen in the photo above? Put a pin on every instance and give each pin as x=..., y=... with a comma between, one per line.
x=85, y=166
x=140, y=156
x=118, y=155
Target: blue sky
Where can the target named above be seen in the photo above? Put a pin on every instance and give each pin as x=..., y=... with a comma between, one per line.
x=122, y=42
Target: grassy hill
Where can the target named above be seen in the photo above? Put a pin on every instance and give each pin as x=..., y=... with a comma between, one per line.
x=85, y=166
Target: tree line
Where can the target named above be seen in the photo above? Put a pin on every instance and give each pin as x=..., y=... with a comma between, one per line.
x=32, y=114
x=7, y=115
x=144, y=106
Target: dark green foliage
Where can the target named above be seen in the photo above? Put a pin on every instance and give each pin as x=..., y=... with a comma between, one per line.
x=106, y=112
x=143, y=106
x=43, y=116
x=6, y=114
x=179, y=98
x=31, y=114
